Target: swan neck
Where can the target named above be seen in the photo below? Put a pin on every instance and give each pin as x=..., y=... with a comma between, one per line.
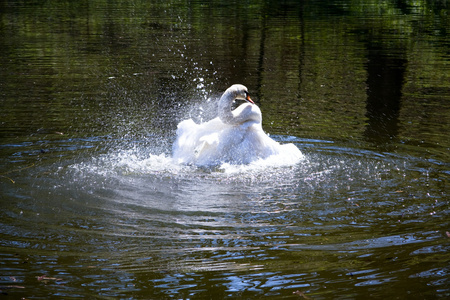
x=224, y=109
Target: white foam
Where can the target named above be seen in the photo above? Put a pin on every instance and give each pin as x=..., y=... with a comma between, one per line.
x=288, y=157
x=139, y=161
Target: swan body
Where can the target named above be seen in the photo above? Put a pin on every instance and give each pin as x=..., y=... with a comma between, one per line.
x=235, y=136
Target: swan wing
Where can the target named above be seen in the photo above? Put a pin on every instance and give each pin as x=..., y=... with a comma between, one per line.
x=195, y=141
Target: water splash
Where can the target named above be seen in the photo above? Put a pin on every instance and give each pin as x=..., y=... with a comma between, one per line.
x=140, y=161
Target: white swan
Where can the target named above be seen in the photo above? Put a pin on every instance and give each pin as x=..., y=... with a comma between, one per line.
x=234, y=137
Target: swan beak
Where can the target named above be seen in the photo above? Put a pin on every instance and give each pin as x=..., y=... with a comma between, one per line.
x=249, y=99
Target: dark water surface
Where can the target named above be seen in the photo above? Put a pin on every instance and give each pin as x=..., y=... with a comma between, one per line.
x=92, y=205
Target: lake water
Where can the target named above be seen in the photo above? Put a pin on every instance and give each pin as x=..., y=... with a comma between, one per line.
x=92, y=205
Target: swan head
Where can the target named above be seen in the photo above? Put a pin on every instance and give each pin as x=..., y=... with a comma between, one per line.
x=238, y=92
x=242, y=114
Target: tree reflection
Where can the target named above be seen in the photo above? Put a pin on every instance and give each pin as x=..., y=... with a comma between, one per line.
x=384, y=92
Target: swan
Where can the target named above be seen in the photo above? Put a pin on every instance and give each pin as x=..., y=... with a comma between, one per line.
x=235, y=136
